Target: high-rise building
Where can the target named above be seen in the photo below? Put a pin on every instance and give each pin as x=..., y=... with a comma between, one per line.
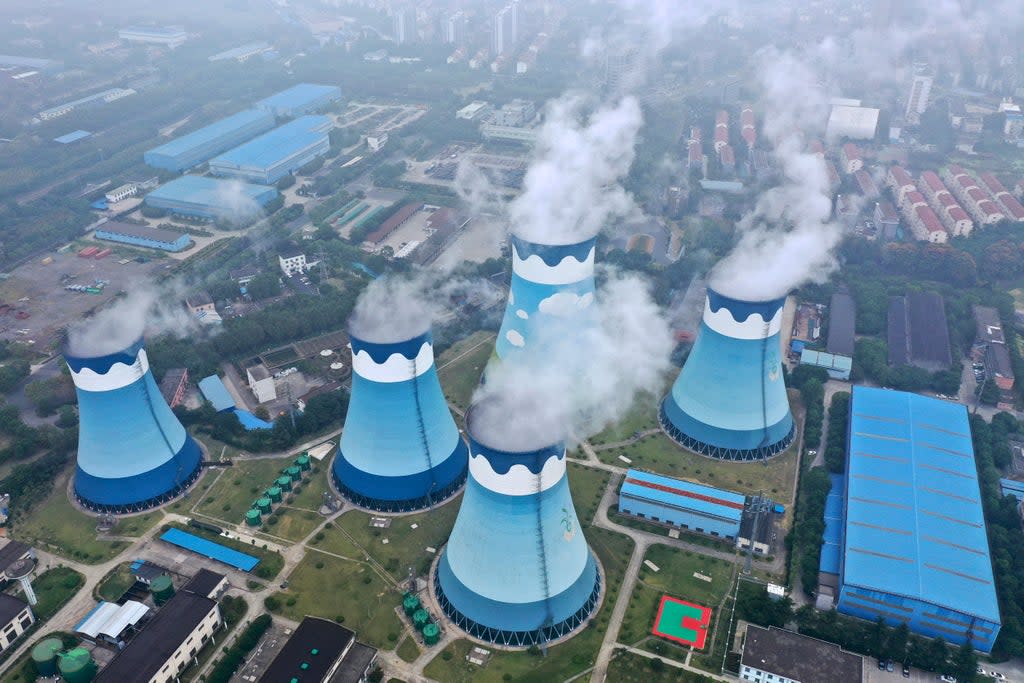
x=623, y=70
x=455, y=29
x=506, y=29
x=404, y=25
x=920, y=89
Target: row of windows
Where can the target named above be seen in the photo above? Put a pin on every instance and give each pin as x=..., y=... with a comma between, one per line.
x=678, y=524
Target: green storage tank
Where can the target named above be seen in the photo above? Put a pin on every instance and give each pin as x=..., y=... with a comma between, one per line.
x=263, y=504
x=77, y=666
x=162, y=589
x=431, y=634
x=293, y=473
x=303, y=462
x=44, y=656
x=420, y=618
x=284, y=483
x=274, y=494
x=252, y=517
x=410, y=603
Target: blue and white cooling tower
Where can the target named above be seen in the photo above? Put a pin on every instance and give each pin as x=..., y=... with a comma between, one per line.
x=551, y=283
x=729, y=400
x=517, y=569
x=133, y=452
x=400, y=449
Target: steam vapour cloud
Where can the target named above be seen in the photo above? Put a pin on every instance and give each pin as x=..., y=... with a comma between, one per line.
x=146, y=310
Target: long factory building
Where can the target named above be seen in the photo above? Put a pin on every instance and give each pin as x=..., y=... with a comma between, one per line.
x=273, y=155
x=207, y=142
x=682, y=503
x=914, y=548
x=304, y=98
x=209, y=198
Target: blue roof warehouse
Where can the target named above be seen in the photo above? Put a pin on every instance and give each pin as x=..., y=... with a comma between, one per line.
x=207, y=142
x=210, y=198
x=274, y=155
x=682, y=503
x=143, y=236
x=304, y=98
x=914, y=548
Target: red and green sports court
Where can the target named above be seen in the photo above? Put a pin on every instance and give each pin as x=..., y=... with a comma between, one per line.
x=682, y=622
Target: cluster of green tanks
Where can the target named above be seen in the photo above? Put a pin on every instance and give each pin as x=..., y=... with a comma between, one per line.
x=265, y=503
x=420, y=618
x=74, y=665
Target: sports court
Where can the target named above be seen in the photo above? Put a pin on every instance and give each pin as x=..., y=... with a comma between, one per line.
x=682, y=622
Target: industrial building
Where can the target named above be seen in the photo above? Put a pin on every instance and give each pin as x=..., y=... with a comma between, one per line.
x=167, y=644
x=173, y=385
x=133, y=452
x=395, y=221
x=261, y=383
x=321, y=651
x=998, y=366
x=400, y=448
x=143, y=236
x=517, y=569
x=775, y=655
x=304, y=98
x=271, y=156
x=169, y=36
x=105, y=97
x=837, y=367
x=681, y=503
x=15, y=618
x=914, y=546
x=552, y=284
x=842, y=324
x=917, y=331
x=729, y=400
x=210, y=198
x=112, y=623
x=209, y=141
x=855, y=123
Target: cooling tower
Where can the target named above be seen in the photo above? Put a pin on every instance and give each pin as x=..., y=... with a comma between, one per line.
x=516, y=569
x=132, y=451
x=729, y=400
x=550, y=283
x=400, y=449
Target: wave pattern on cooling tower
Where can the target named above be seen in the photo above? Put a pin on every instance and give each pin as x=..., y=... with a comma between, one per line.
x=729, y=400
x=550, y=283
x=400, y=449
x=517, y=569
x=133, y=452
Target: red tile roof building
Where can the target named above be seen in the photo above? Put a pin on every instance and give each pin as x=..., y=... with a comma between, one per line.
x=850, y=158
x=721, y=130
x=950, y=212
x=900, y=182
x=867, y=184
x=748, y=130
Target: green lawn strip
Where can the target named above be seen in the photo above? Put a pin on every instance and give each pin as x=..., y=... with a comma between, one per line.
x=641, y=417
x=462, y=377
x=114, y=584
x=408, y=650
x=332, y=540
x=346, y=591
x=562, y=661
x=239, y=487
x=587, y=486
x=58, y=526
x=287, y=522
x=53, y=588
x=270, y=564
x=627, y=667
x=314, y=483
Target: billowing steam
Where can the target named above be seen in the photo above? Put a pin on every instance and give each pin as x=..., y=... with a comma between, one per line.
x=148, y=309
x=586, y=376
x=788, y=238
x=236, y=206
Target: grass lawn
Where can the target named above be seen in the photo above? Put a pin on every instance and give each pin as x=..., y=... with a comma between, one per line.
x=53, y=588
x=114, y=584
x=271, y=563
x=291, y=523
x=408, y=650
x=627, y=667
x=463, y=375
x=58, y=526
x=675, y=577
x=328, y=587
x=641, y=417
x=238, y=487
x=314, y=483
x=563, y=660
x=587, y=486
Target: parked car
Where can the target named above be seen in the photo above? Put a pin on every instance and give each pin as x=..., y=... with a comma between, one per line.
x=906, y=671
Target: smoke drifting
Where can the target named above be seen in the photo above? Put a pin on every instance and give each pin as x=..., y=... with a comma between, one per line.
x=585, y=377
x=788, y=238
x=238, y=207
x=148, y=309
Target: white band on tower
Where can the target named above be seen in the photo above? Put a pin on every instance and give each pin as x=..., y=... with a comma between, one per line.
x=519, y=480
x=397, y=368
x=754, y=327
x=118, y=376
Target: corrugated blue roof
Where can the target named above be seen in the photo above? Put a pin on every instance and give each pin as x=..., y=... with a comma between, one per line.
x=215, y=551
x=683, y=494
x=72, y=136
x=1009, y=487
x=280, y=143
x=831, y=549
x=825, y=360
x=207, y=134
x=914, y=524
x=216, y=393
x=298, y=96
x=209, y=191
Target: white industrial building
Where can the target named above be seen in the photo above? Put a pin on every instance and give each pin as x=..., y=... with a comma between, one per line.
x=15, y=617
x=261, y=383
x=855, y=123
x=121, y=193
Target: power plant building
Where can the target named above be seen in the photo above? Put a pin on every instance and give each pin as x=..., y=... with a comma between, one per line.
x=516, y=570
x=207, y=142
x=143, y=236
x=682, y=503
x=133, y=452
x=273, y=155
x=400, y=448
x=914, y=546
x=729, y=400
x=552, y=288
x=210, y=198
x=304, y=98
x=15, y=618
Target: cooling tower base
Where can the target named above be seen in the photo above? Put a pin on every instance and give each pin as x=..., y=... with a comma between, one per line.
x=109, y=495
x=519, y=638
x=709, y=450
x=403, y=505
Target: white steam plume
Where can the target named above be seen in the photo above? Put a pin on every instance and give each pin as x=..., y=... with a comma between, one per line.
x=148, y=309
x=237, y=206
x=585, y=379
x=788, y=238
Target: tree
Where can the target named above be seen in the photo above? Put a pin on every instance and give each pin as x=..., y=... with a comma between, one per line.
x=896, y=643
x=936, y=128
x=965, y=664
x=1002, y=260
x=12, y=372
x=264, y=286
